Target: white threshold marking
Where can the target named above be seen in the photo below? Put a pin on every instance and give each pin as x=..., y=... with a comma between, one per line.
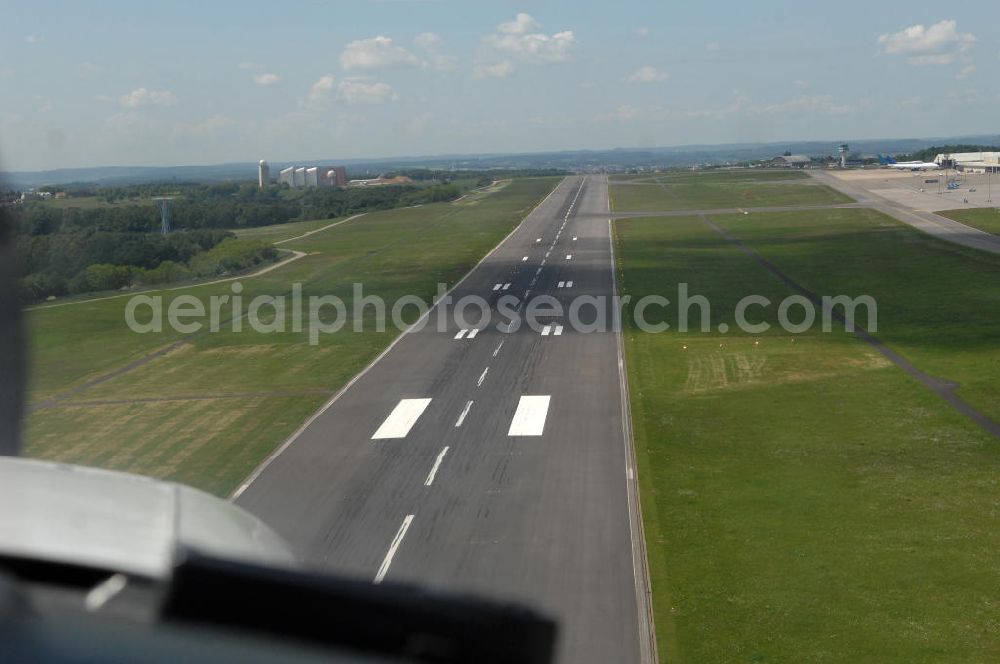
x=396, y=541
x=472, y=333
x=461, y=333
x=506, y=286
x=529, y=418
x=461, y=418
x=497, y=287
x=401, y=419
x=434, y=469
x=558, y=330
x=547, y=253
x=524, y=259
x=574, y=238
x=546, y=330
x=538, y=240
x=482, y=377
x=561, y=284
x=497, y=349
x=538, y=271
x=569, y=284
x=569, y=256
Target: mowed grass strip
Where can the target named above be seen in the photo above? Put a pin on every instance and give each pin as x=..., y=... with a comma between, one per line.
x=391, y=253
x=803, y=499
x=985, y=219
x=938, y=303
x=705, y=191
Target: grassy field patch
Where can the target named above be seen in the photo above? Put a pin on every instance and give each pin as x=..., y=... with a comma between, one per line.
x=803, y=499
x=392, y=253
x=695, y=191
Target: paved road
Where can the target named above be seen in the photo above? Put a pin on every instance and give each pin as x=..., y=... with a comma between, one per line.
x=444, y=494
x=928, y=222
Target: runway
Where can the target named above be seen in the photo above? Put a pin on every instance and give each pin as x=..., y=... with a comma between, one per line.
x=473, y=459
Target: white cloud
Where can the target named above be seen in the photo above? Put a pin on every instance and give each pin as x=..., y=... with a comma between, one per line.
x=143, y=97
x=501, y=69
x=266, y=79
x=623, y=112
x=320, y=93
x=376, y=53
x=966, y=72
x=647, y=74
x=431, y=45
x=31, y=39
x=641, y=32
x=359, y=92
x=799, y=83
x=520, y=40
x=713, y=46
x=939, y=44
x=812, y=103
x=205, y=129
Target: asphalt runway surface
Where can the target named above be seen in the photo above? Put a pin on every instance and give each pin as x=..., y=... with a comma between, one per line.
x=491, y=462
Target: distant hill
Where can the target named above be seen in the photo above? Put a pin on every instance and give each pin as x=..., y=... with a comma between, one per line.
x=681, y=155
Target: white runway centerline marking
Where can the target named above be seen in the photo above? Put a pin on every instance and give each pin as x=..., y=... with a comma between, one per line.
x=546, y=330
x=574, y=238
x=401, y=419
x=569, y=256
x=558, y=330
x=482, y=377
x=497, y=349
x=547, y=253
x=524, y=259
x=437, y=464
x=538, y=240
x=472, y=333
x=461, y=333
x=529, y=418
x=465, y=411
x=396, y=541
x=538, y=271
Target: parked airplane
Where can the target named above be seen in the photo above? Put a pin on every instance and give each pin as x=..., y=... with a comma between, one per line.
x=889, y=162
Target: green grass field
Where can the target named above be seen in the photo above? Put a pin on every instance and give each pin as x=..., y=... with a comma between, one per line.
x=985, y=219
x=207, y=412
x=715, y=190
x=804, y=499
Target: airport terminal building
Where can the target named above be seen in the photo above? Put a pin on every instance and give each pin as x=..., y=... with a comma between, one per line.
x=970, y=162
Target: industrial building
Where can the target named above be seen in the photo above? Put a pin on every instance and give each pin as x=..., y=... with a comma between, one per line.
x=970, y=162
x=263, y=174
x=309, y=177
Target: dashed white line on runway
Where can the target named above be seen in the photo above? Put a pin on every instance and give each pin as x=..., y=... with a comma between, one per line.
x=401, y=419
x=569, y=284
x=472, y=333
x=461, y=333
x=482, y=377
x=574, y=238
x=465, y=411
x=524, y=259
x=506, y=286
x=546, y=330
x=497, y=349
x=497, y=287
x=437, y=464
x=558, y=330
x=396, y=541
x=561, y=284
x=529, y=418
x=569, y=256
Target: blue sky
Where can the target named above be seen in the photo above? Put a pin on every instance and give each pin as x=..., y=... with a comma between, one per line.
x=133, y=83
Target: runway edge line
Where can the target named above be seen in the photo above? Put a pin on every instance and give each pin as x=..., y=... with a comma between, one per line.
x=643, y=586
